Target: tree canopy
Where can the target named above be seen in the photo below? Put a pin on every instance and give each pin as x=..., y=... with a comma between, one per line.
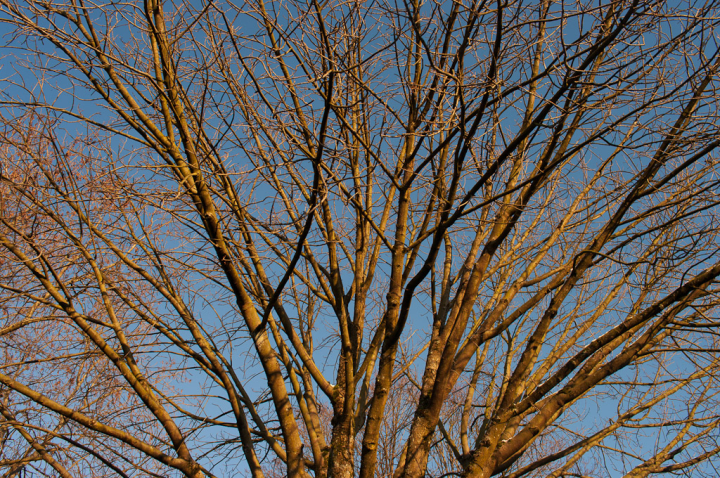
x=343, y=238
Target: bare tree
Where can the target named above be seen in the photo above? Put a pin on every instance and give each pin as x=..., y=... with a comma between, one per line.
x=341, y=239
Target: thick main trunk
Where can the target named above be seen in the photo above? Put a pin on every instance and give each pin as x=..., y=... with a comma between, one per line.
x=342, y=445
